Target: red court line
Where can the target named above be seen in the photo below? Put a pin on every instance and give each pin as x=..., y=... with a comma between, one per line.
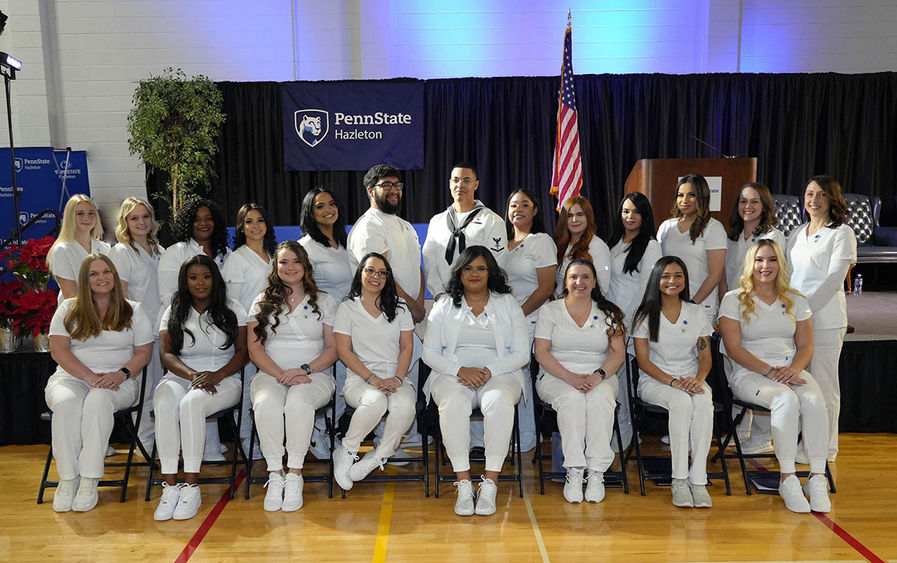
x=830, y=524
x=209, y=521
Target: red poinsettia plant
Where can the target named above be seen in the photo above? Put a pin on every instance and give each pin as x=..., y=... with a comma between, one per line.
x=29, y=261
x=33, y=311
x=26, y=305
x=8, y=290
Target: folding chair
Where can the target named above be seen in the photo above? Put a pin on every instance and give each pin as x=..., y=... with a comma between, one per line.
x=227, y=415
x=123, y=416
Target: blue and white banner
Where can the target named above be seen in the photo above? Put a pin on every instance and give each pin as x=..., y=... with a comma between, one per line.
x=353, y=125
x=47, y=178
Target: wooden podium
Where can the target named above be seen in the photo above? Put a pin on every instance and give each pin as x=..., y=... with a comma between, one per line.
x=657, y=178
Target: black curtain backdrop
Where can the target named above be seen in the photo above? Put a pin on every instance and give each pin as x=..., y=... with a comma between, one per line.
x=797, y=125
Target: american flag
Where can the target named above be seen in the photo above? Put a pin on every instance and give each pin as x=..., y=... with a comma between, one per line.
x=566, y=176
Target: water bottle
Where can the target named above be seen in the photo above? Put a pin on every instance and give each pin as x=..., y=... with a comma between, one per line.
x=858, y=285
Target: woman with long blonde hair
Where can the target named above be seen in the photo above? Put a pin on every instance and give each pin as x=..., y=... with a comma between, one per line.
x=768, y=334
x=81, y=234
x=100, y=341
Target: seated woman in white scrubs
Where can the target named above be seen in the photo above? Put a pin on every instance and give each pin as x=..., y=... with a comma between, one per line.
x=820, y=254
x=374, y=337
x=291, y=341
x=477, y=347
x=574, y=237
x=698, y=239
x=768, y=334
x=100, y=341
x=672, y=344
x=753, y=218
x=80, y=234
x=580, y=344
x=203, y=338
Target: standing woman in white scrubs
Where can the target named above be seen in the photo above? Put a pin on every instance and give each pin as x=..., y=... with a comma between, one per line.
x=820, y=253
x=198, y=229
x=575, y=237
x=203, y=335
x=324, y=239
x=375, y=339
x=768, y=333
x=477, y=347
x=699, y=239
x=136, y=257
x=291, y=341
x=246, y=274
x=634, y=250
x=672, y=344
x=580, y=344
x=530, y=265
x=100, y=341
x=753, y=219
x=81, y=234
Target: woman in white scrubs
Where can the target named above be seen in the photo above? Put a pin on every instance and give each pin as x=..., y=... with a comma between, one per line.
x=136, y=257
x=100, y=342
x=290, y=334
x=768, y=334
x=530, y=265
x=203, y=337
x=246, y=274
x=477, y=347
x=753, y=218
x=672, y=344
x=820, y=253
x=698, y=239
x=80, y=234
x=634, y=250
x=575, y=237
x=580, y=346
x=374, y=337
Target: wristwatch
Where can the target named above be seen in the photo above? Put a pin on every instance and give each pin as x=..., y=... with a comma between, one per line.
x=306, y=367
x=602, y=373
x=125, y=371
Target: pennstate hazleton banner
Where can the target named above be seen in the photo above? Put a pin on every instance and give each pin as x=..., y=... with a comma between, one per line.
x=353, y=125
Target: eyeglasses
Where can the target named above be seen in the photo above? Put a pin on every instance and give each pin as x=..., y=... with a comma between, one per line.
x=466, y=181
x=375, y=273
x=390, y=185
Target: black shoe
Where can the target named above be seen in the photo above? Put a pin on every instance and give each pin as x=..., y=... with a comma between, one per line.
x=478, y=452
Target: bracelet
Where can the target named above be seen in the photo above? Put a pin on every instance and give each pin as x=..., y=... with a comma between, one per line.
x=401, y=381
x=671, y=382
x=771, y=368
x=368, y=380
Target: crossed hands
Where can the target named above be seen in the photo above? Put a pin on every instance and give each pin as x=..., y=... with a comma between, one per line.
x=474, y=378
x=786, y=375
x=387, y=386
x=691, y=385
x=584, y=382
x=204, y=380
x=107, y=380
x=294, y=376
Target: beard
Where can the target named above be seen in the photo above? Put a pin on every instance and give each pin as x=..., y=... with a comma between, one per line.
x=385, y=206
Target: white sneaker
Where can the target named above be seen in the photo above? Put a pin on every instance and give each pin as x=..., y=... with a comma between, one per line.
x=363, y=468
x=274, y=495
x=817, y=489
x=794, y=498
x=110, y=451
x=464, y=502
x=188, y=503
x=595, y=487
x=754, y=447
x=665, y=439
x=682, y=493
x=65, y=495
x=292, y=492
x=342, y=462
x=486, y=497
x=399, y=458
x=213, y=456
x=573, y=486
x=168, y=502
x=700, y=497
x=86, y=497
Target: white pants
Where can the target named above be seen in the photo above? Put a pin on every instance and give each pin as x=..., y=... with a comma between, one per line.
x=181, y=419
x=585, y=420
x=279, y=408
x=370, y=405
x=690, y=425
x=496, y=399
x=800, y=406
x=154, y=372
x=827, y=345
x=82, y=422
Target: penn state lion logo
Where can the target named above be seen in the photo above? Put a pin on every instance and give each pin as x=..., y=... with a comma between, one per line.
x=312, y=125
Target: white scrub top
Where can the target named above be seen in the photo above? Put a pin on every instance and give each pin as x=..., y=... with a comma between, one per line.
x=333, y=268
x=202, y=351
x=737, y=251
x=580, y=349
x=536, y=251
x=626, y=290
x=694, y=255
x=140, y=271
x=246, y=275
x=374, y=340
x=393, y=237
x=675, y=351
x=299, y=338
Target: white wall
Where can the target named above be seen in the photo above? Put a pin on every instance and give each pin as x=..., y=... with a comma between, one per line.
x=83, y=57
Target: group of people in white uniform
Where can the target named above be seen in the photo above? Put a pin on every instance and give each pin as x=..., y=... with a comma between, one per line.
x=337, y=317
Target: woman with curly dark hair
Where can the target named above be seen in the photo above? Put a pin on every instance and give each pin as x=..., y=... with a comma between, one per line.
x=203, y=338
x=374, y=336
x=580, y=346
x=477, y=345
x=291, y=341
